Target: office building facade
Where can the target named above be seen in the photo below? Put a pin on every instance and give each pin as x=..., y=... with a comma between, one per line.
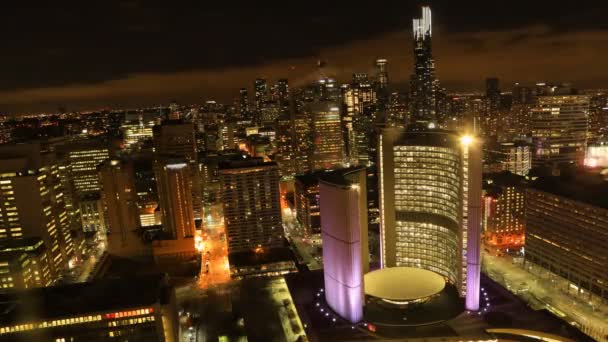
x=251, y=202
x=327, y=150
x=32, y=201
x=503, y=208
x=430, y=194
x=559, y=124
x=567, y=231
x=119, y=198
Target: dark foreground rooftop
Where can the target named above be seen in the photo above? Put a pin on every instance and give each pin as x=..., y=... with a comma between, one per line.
x=76, y=299
x=582, y=187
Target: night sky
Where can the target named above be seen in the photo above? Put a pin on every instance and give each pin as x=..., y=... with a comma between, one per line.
x=130, y=54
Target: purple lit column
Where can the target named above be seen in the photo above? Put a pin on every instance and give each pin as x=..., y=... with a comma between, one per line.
x=344, y=233
x=473, y=224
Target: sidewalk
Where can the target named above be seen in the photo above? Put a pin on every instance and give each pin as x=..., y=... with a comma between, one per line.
x=543, y=290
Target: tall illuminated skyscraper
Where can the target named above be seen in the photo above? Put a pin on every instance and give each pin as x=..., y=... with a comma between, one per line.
x=120, y=204
x=243, y=103
x=175, y=198
x=327, y=141
x=176, y=138
x=423, y=84
x=559, y=127
x=382, y=73
x=260, y=88
x=430, y=204
x=32, y=201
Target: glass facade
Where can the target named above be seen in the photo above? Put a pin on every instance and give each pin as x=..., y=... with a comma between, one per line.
x=428, y=188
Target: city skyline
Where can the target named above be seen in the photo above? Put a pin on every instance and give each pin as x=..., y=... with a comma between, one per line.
x=143, y=49
x=325, y=174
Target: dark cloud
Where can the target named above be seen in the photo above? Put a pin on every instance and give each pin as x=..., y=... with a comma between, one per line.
x=132, y=52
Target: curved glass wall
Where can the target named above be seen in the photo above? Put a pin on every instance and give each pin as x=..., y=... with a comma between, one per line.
x=428, y=186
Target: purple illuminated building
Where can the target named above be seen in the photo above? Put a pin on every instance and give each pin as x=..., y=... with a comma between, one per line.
x=472, y=153
x=343, y=199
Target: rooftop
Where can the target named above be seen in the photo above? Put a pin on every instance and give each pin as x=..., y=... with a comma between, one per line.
x=266, y=257
x=583, y=187
x=76, y=299
x=244, y=163
x=403, y=283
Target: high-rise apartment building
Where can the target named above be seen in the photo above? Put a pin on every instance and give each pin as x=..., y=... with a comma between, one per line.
x=243, y=103
x=251, y=202
x=31, y=201
x=82, y=159
x=306, y=198
x=175, y=198
x=260, y=88
x=423, y=84
x=430, y=193
x=344, y=234
x=559, y=123
x=24, y=264
x=567, y=231
x=293, y=143
x=176, y=138
x=503, y=208
x=119, y=197
x=515, y=157
x=326, y=129
x=382, y=73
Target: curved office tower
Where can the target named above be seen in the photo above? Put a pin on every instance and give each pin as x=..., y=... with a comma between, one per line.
x=343, y=203
x=425, y=200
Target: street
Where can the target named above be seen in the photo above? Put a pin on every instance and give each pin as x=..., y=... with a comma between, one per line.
x=539, y=289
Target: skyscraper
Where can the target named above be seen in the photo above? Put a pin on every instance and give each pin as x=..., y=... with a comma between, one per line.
x=344, y=233
x=175, y=198
x=243, y=103
x=176, y=138
x=293, y=142
x=82, y=159
x=31, y=201
x=260, y=88
x=423, y=84
x=252, y=209
x=282, y=92
x=430, y=193
x=120, y=204
x=327, y=140
x=382, y=73
x=559, y=127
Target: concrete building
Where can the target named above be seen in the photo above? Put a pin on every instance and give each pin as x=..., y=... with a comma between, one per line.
x=559, y=124
x=327, y=150
x=251, y=202
x=430, y=210
x=175, y=198
x=293, y=143
x=176, y=138
x=134, y=309
x=567, y=230
x=306, y=198
x=515, y=157
x=82, y=159
x=119, y=200
x=344, y=234
x=24, y=264
x=31, y=201
x=503, y=208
